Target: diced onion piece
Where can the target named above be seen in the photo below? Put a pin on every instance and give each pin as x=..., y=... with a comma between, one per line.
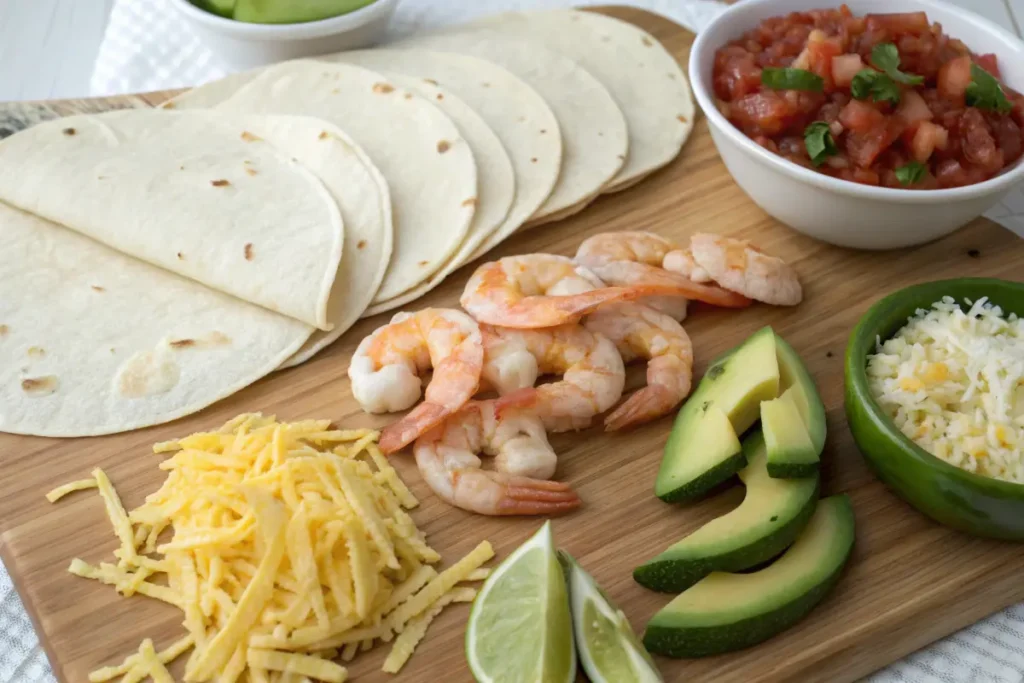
x=913, y=108
x=845, y=67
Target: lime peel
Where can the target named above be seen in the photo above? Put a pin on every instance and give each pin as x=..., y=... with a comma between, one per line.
x=520, y=629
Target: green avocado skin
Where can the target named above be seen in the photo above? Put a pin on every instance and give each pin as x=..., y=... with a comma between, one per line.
x=794, y=372
x=782, y=511
x=682, y=642
x=697, y=487
x=672, y=632
x=792, y=470
x=737, y=367
x=676, y=575
x=971, y=503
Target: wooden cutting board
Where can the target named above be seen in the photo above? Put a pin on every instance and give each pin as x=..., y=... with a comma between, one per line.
x=909, y=582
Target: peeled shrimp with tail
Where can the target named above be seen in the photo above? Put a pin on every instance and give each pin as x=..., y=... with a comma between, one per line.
x=448, y=458
x=635, y=258
x=387, y=366
x=639, y=331
x=544, y=290
x=590, y=368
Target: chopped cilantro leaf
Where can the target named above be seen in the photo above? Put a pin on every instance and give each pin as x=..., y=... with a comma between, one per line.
x=984, y=92
x=819, y=143
x=872, y=84
x=791, y=79
x=912, y=173
x=886, y=57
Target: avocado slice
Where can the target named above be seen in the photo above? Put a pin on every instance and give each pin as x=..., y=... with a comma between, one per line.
x=224, y=8
x=726, y=612
x=790, y=451
x=703, y=449
x=769, y=519
x=292, y=11
x=794, y=377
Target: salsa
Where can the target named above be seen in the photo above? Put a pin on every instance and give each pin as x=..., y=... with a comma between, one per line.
x=881, y=99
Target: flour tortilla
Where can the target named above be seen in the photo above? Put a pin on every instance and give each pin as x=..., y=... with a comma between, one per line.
x=495, y=182
x=594, y=135
x=362, y=195
x=516, y=113
x=428, y=166
x=645, y=80
x=189, y=192
x=96, y=342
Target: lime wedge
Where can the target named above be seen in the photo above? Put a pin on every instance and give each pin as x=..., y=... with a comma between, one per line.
x=519, y=630
x=609, y=650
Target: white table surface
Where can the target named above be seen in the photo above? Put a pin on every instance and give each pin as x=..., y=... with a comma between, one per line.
x=48, y=48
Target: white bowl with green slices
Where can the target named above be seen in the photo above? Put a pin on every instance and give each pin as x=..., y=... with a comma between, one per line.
x=251, y=33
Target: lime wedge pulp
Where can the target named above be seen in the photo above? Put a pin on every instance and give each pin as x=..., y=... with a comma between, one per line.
x=520, y=630
x=609, y=650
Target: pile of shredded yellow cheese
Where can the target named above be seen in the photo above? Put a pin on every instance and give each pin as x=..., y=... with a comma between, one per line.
x=291, y=548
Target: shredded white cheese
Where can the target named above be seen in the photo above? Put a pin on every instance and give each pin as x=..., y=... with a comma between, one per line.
x=953, y=382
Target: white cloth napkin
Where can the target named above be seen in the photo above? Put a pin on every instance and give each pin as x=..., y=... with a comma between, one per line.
x=148, y=47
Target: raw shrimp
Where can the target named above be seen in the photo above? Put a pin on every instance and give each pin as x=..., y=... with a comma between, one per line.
x=591, y=370
x=447, y=457
x=641, y=332
x=634, y=259
x=739, y=266
x=386, y=368
x=541, y=290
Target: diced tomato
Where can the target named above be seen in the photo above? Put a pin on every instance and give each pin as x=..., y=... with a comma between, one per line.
x=927, y=139
x=931, y=124
x=954, y=77
x=976, y=140
x=736, y=75
x=845, y=67
x=859, y=175
x=820, y=51
x=951, y=173
x=907, y=22
x=763, y=111
x=1008, y=136
x=767, y=143
x=860, y=116
x=863, y=148
x=1018, y=111
x=989, y=63
x=913, y=108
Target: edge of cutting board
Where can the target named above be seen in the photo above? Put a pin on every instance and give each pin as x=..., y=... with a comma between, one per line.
x=881, y=627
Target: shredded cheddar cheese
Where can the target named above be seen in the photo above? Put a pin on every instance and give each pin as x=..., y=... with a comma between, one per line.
x=61, y=491
x=285, y=545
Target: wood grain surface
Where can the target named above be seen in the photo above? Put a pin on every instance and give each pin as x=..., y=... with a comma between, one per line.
x=909, y=581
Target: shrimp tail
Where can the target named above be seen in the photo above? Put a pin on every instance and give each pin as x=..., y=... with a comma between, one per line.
x=419, y=421
x=677, y=285
x=642, y=406
x=525, y=496
x=647, y=280
x=520, y=398
x=555, y=310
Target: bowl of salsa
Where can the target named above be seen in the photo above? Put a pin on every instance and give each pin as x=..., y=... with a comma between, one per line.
x=872, y=124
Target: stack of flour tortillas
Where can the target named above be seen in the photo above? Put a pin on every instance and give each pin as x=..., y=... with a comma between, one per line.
x=156, y=261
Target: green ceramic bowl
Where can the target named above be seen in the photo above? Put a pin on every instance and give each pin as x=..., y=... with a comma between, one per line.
x=969, y=502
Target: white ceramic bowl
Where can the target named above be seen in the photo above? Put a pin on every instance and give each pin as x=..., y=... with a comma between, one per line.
x=244, y=45
x=837, y=211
